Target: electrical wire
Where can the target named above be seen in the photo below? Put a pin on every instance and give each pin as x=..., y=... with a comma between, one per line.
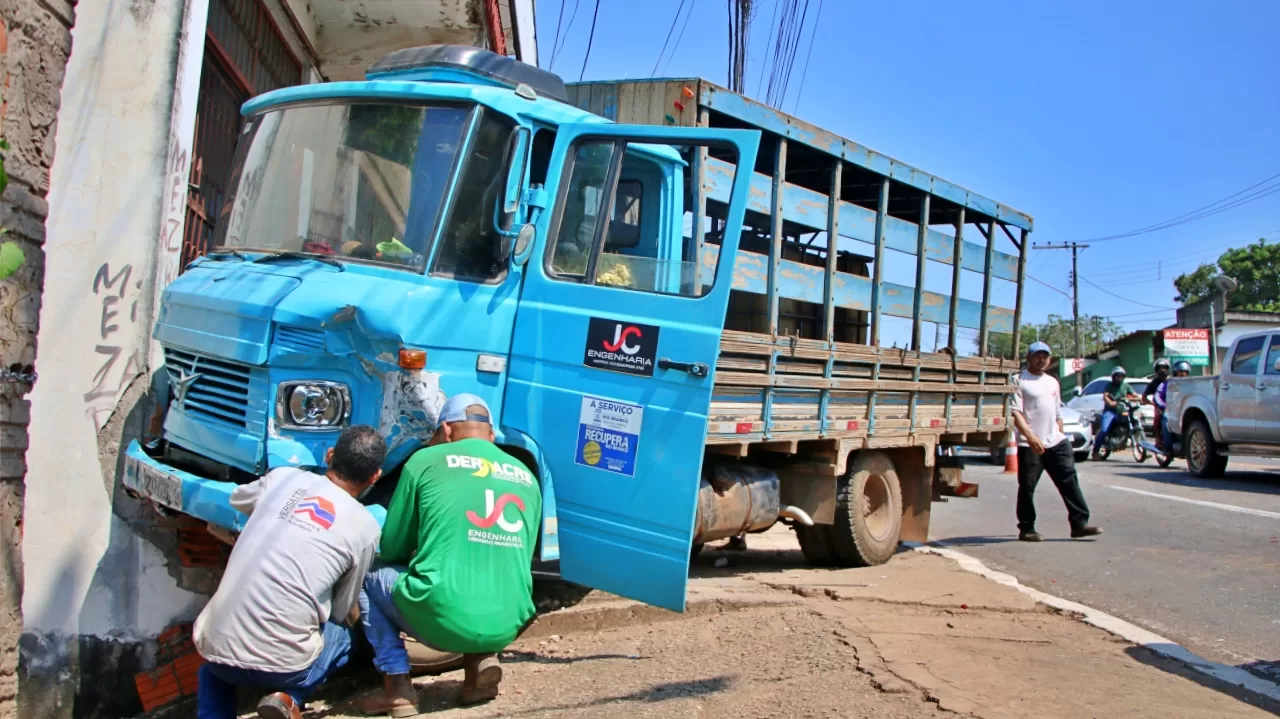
x=590, y=39
x=1125, y=299
x=817, y=21
x=555, y=41
x=670, y=31
x=680, y=36
x=774, y=24
x=1232, y=201
x=555, y=50
x=1046, y=284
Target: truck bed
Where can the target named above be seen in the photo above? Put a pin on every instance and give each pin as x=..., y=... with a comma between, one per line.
x=799, y=358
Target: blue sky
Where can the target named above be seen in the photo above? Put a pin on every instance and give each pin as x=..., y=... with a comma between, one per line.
x=1094, y=117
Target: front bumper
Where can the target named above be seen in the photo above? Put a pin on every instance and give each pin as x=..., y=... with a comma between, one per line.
x=178, y=490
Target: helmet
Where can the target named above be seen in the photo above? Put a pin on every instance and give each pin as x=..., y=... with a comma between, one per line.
x=1118, y=371
x=1162, y=364
x=1182, y=366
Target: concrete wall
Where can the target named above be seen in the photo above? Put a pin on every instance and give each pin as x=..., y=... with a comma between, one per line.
x=1137, y=356
x=35, y=40
x=102, y=578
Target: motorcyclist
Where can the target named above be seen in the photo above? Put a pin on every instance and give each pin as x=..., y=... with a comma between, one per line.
x=1115, y=393
x=1155, y=388
x=1181, y=368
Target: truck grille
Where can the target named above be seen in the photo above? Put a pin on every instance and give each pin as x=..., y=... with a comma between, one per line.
x=219, y=391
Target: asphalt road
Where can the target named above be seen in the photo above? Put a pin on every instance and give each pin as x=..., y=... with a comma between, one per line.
x=1196, y=561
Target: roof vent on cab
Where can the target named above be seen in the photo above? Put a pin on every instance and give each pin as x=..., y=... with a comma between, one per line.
x=465, y=64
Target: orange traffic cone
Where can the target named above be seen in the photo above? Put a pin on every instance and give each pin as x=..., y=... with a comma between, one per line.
x=1011, y=456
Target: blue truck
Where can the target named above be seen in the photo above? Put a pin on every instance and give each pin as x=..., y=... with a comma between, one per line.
x=636, y=276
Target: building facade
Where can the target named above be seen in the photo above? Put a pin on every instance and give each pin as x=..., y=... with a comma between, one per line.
x=146, y=111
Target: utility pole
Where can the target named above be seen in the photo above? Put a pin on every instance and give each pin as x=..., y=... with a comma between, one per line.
x=1075, y=297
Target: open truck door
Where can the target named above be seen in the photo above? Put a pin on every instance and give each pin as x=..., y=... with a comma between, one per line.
x=615, y=345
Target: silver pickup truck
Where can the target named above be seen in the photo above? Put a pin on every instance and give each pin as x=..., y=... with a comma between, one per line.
x=1231, y=414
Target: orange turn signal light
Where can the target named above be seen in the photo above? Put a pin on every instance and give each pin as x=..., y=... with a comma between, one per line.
x=413, y=359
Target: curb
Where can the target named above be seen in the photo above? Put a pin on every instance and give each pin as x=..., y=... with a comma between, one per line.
x=1111, y=624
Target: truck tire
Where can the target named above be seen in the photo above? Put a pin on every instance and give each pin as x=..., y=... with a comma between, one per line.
x=1203, y=459
x=868, y=512
x=817, y=545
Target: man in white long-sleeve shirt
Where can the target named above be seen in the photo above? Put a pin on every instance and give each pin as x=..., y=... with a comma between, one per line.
x=277, y=621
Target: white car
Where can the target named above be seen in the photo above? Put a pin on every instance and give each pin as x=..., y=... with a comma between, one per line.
x=1089, y=404
x=1077, y=430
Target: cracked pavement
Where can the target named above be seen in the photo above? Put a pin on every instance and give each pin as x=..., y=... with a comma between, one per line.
x=768, y=637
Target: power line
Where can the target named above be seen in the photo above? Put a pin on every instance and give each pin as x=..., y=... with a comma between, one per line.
x=1125, y=299
x=556, y=40
x=1046, y=284
x=590, y=39
x=1232, y=201
x=817, y=20
x=670, y=31
x=555, y=49
x=760, y=80
x=676, y=48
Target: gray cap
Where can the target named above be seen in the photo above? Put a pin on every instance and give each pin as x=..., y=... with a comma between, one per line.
x=1038, y=347
x=455, y=409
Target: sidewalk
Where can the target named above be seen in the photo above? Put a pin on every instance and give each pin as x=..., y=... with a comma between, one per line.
x=767, y=637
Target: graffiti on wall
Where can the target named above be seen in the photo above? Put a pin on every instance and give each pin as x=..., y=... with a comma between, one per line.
x=116, y=354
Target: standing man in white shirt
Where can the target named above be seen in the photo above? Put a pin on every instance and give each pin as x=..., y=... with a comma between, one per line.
x=1042, y=447
x=279, y=620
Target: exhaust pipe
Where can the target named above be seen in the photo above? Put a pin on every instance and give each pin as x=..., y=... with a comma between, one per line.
x=795, y=514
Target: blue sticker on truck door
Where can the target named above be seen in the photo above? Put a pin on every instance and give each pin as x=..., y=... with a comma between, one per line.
x=609, y=435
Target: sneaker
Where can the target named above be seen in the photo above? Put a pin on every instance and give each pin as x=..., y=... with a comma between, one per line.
x=1030, y=537
x=1085, y=531
x=481, y=676
x=278, y=706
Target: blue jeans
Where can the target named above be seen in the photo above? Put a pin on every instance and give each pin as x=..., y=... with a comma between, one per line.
x=1108, y=416
x=1166, y=437
x=218, y=682
x=382, y=621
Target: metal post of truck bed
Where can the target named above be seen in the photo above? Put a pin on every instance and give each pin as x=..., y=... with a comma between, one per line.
x=877, y=273
x=1022, y=277
x=917, y=322
x=953, y=316
x=983, y=330
x=775, y=263
x=829, y=288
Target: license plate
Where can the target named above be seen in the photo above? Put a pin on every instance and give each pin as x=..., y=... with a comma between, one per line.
x=153, y=483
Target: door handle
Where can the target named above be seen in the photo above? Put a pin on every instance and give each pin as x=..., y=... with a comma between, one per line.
x=1226, y=385
x=697, y=369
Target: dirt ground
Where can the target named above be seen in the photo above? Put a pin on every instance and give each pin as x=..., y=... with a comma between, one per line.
x=783, y=661
x=767, y=637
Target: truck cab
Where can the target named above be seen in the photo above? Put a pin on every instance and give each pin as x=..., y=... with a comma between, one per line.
x=452, y=225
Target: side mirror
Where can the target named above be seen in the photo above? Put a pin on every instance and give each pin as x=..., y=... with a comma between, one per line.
x=1276, y=366
x=517, y=154
x=523, y=245
x=504, y=213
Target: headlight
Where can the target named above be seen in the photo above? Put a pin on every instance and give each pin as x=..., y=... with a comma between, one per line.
x=313, y=405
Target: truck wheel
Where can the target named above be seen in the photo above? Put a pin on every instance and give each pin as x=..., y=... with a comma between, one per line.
x=868, y=512
x=1203, y=459
x=816, y=544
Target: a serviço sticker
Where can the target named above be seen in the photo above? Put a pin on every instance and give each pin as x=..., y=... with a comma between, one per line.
x=609, y=435
x=625, y=347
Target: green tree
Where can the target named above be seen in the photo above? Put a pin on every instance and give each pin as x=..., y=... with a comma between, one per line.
x=1095, y=332
x=1256, y=267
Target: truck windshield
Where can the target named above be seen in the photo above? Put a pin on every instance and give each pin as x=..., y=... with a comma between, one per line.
x=364, y=181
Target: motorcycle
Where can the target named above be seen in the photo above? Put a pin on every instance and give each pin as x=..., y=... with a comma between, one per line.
x=1170, y=450
x=1126, y=432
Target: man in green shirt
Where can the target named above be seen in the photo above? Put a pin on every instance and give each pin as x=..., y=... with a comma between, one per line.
x=1115, y=393
x=456, y=551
